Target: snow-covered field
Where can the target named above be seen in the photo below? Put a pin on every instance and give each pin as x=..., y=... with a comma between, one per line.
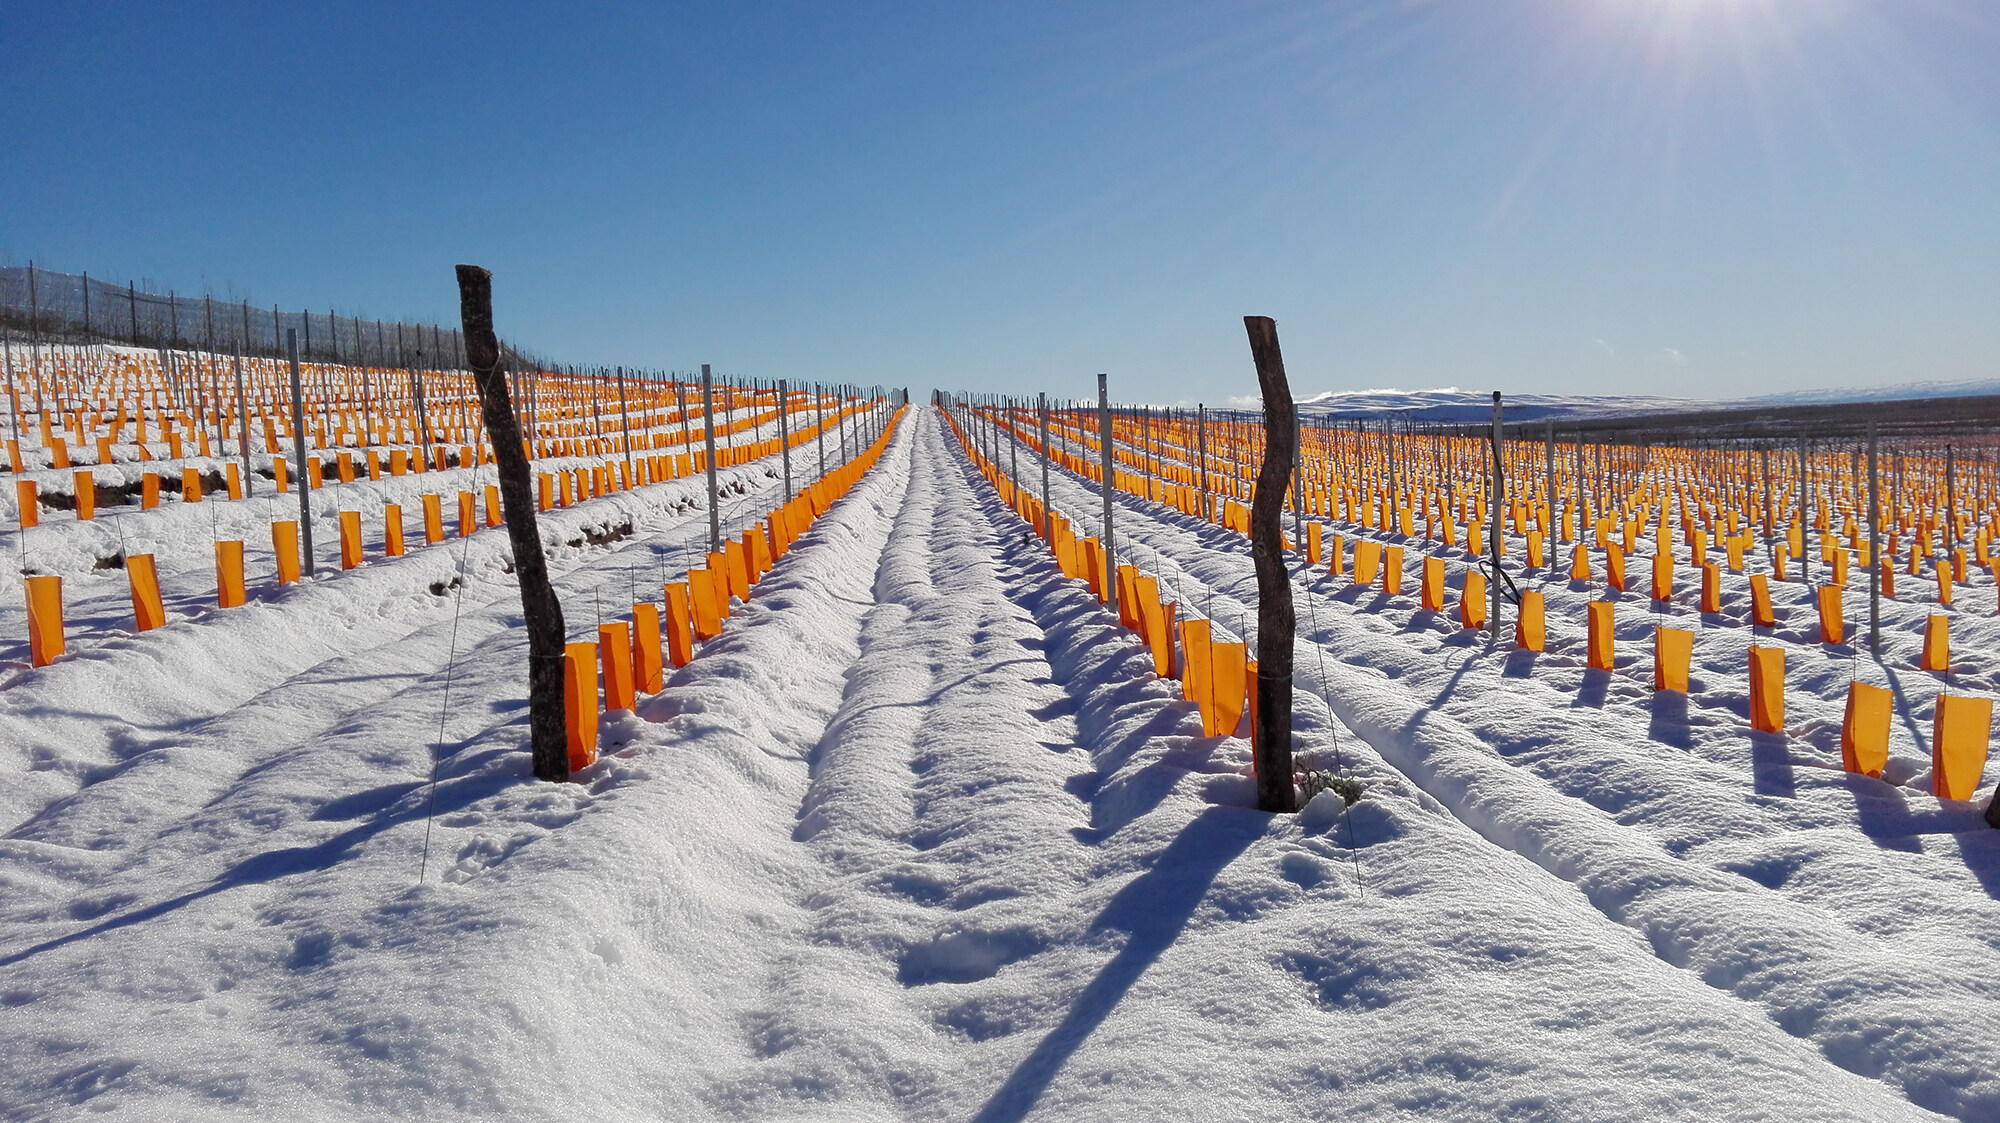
x=921, y=836
x=1453, y=404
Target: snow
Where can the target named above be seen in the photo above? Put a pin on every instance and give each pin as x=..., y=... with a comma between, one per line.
x=1858, y=912
x=922, y=836
x=96, y=597
x=1466, y=407
x=1451, y=404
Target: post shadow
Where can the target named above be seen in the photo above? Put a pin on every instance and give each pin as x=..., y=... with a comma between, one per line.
x=274, y=864
x=1669, y=723
x=1152, y=910
x=1591, y=693
x=1520, y=663
x=1771, y=765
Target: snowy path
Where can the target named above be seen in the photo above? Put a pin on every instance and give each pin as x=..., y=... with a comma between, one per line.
x=919, y=837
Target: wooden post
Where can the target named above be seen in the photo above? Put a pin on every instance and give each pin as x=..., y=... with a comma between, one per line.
x=539, y=606
x=819, y=426
x=784, y=437
x=13, y=396
x=1499, y=496
x=1874, y=569
x=1577, y=501
x=1805, y=520
x=841, y=415
x=1298, y=474
x=625, y=422
x=1042, y=402
x=243, y=425
x=708, y=430
x=303, y=482
x=1549, y=485
x=1110, y=471
x=1272, y=744
x=1770, y=547
x=1389, y=454
x=1146, y=447
x=1201, y=439
x=1950, y=506
x=423, y=416
x=1896, y=483
x=1013, y=445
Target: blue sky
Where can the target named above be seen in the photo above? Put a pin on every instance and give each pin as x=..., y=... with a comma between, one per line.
x=1701, y=197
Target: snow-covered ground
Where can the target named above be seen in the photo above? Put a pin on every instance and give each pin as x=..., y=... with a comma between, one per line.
x=921, y=836
x=1860, y=913
x=181, y=536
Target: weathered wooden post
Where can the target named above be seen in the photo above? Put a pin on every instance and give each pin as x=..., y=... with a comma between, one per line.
x=243, y=425
x=841, y=417
x=423, y=414
x=1201, y=439
x=1272, y=737
x=785, y=436
x=1770, y=545
x=1805, y=518
x=1395, y=496
x=1298, y=485
x=708, y=430
x=1013, y=446
x=13, y=396
x=1549, y=488
x=1494, y=541
x=539, y=606
x=1582, y=507
x=1042, y=402
x=303, y=481
x=1874, y=569
x=625, y=422
x=1950, y=506
x=1110, y=473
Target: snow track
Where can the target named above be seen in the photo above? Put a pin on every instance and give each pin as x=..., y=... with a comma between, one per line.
x=921, y=836
x=1045, y=895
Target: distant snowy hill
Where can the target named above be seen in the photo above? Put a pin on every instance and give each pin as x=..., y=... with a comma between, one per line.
x=1451, y=404
x=1454, y=405
x=1962, y=388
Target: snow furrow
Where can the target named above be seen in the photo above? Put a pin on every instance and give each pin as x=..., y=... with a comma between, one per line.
x=1700, y=858
x=281, y=915
x=920, y=836
x=1215, y=931
x=938, y=813
x=84, y=719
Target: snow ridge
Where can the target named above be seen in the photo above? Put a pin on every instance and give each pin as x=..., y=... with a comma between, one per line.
x=921, y=836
